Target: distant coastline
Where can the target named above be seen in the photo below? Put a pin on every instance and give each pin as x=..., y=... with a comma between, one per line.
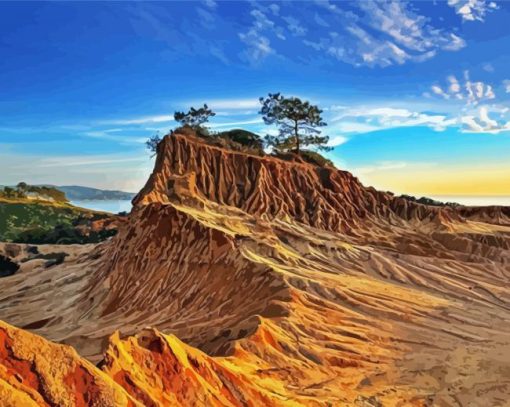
x=474, y=200
x=80, y=193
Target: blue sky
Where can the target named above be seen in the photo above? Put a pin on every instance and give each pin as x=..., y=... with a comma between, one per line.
x=416, y=94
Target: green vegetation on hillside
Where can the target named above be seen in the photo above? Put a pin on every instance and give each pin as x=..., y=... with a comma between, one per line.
x=311, y=157
x=38, y=222
x=41, y=193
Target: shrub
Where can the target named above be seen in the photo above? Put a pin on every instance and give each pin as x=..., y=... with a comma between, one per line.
x=7, y=266
x=307, y=156
x=243, y=137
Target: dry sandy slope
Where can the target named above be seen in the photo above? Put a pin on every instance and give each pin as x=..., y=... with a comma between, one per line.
x=306, y=287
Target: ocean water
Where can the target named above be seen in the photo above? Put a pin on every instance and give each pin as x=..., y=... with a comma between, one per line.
x=474, y=200
x=113, y=206
x=116, y=206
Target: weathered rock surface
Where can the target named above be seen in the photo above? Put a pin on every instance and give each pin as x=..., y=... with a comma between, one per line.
x=288, y=284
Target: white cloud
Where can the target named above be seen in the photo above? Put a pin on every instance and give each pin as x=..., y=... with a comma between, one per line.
x=363, y=120
x=379, y=166
x=439, y=91
x=337, y=141
x=210, y=3
x=506, y=84
x=259, y=46
x=233, y=124
x=275, y=9
x=232, y=104
x=490, y=119
x=455, y=43
x=219, y=54
x=295, y=26
x=320, y=21
x=353, y=127
x=257, y=42
x=78, y=161
x=471, y=92
x=206, y=17
x=139, y=120
x=106, y=135
x=471, y=10
x=481, y=122
x=387, y=112
x=454, y=87
x=381, y=33
x=488, y=67
x=114, y=171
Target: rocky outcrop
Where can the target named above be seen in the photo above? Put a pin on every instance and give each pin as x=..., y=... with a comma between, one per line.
x=35, y=372
x=322, y=197
x=285, y=284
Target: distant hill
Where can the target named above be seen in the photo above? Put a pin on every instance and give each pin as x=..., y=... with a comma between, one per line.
x=78, y=193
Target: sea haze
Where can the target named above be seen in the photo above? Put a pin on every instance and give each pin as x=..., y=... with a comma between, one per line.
x=474, y=200
x=113, y=206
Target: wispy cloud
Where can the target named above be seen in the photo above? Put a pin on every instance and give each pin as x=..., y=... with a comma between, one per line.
x=374, y=33
x=259, y=46
x=471, y=92
x=471, y=10
x=234, y=124
x=482, y=122
x=112, y=171
x=478, y=109
x=336, y=141
x=380, y=33
x=139, y=120
x=232, y=104
x=506, y=84
x=211, y=4
x=367, y=119
x=78, y=161
x=107, y=135
x=380, y=166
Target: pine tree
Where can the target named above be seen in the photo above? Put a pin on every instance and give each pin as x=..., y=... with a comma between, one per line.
x=194, y=118
x=298, y=123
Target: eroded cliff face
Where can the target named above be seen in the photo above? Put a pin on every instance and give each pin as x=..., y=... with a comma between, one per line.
x=288, y=284
x=322, y=197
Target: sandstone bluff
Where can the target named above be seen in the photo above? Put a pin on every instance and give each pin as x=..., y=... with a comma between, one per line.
x=241, y=280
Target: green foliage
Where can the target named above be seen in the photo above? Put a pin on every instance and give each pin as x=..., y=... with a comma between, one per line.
x=8, y=192
x=194, y=118
x=53, y=193
x=315, y=158
x=22, y=186
x=298, y=123
x=23, y=191
x=153, y=143
x=61, y=234
x=244, y=138
x=38, y=223
x=429, y=201
x=308, y=156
